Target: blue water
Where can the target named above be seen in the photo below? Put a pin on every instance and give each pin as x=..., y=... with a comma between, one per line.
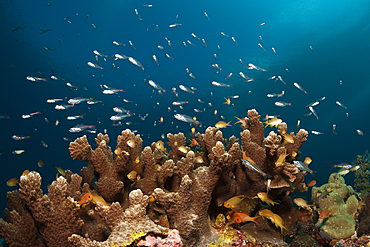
x=338, y=32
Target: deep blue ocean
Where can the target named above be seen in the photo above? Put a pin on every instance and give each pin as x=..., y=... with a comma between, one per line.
x=337, y=31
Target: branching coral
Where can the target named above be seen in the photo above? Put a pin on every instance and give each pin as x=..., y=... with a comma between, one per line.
x=184, y=185
x=187, y=209
x=56, y=214
x=20, y=228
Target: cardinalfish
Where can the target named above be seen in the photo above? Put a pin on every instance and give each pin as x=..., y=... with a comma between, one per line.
x=20, y=137
x=236, y=217
x=250, y=164
x=85, y=199
x=302, y=166
x=343, y=165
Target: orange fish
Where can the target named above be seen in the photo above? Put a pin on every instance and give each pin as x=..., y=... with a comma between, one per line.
x=215, y=112
x=193, y=142
x=240, y=217
x=312, y=183
x=25, y=172
x=325, y=213
x=228, y=101
x=85, y=199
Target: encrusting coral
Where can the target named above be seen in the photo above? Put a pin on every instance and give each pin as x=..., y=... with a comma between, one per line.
x=179, y=186
x=342, y=202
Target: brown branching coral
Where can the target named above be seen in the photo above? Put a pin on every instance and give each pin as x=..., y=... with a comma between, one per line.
x=174, y=142
x=56, y=214
x=19, y=229
x=187, y=209
x=125, y=226
x=183, y=185
x=255, y=127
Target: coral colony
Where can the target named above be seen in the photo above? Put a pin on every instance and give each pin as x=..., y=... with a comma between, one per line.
x=218, y=193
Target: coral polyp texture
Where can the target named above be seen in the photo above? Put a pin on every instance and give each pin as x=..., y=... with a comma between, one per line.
x=133, y=195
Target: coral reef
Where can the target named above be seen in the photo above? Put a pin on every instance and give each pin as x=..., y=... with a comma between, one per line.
x=338, y=198
x=362, y=180
x=182, y=189
x=364, y=218
x=173, y=239
x=126, y=226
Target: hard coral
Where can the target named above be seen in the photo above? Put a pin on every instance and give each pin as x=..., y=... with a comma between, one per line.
x=342, y=201
x=56, y=214
x=172, y=240
x=125, y=225
x=187, y=209
x=20, y=229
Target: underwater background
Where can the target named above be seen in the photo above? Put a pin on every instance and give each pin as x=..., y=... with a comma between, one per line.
x=336, y=68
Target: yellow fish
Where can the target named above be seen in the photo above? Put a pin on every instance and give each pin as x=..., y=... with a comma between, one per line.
x=118, y=152
x=274, y=122
x=60, y=170
x=234, y=201
x=222, y=124
x=288, y=138
x=242, y=121
x=137, y=160
x=12, y=182
x=183, y=149
x=263, y=196
x=276, y=219
x=307, y=160
x=302, y=203
x=132, y=175
x=97, y=198
x=281, y=159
